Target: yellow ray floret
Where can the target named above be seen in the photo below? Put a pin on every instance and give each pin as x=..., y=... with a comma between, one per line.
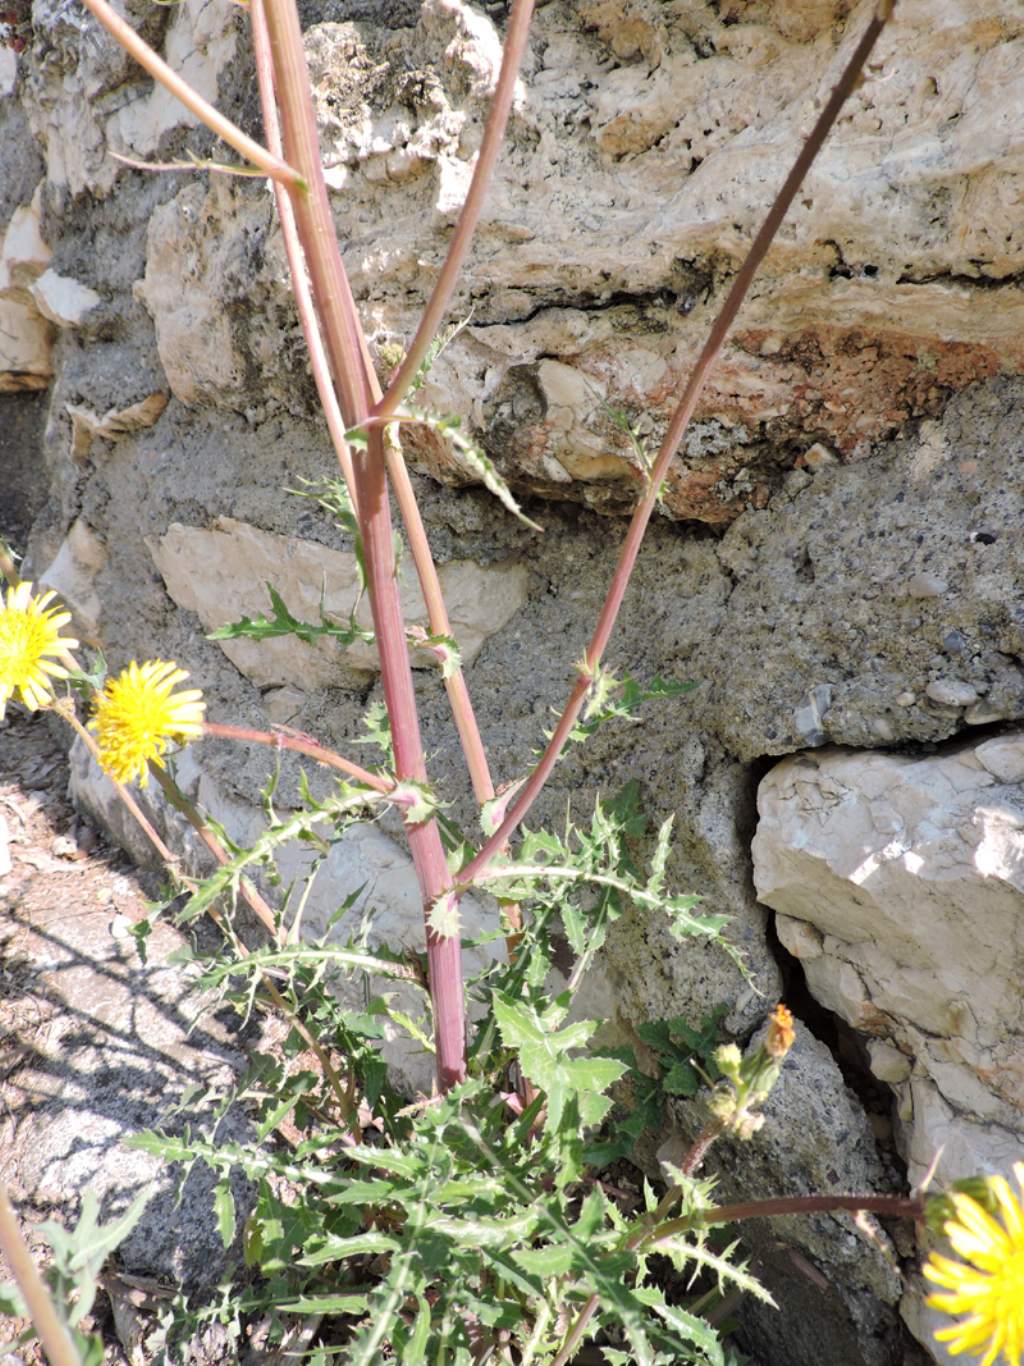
x=988, y=1285
x=30, y=641
x=138, y=713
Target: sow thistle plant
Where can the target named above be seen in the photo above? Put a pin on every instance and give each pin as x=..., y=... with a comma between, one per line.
x=475, y=1224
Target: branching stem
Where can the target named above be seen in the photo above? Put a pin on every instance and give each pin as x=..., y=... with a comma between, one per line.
x=124, y=34
x=277, y=739
x=673, y=437
x=494, y=135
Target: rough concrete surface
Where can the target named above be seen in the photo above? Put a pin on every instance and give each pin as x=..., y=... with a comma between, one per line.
x=839, y=559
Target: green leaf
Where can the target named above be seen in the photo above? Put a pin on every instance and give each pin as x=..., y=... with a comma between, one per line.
x=338, y=1249
x=445, y=649
x=416, y=801
x=11, y=1302
x=686, y=1326
x=546, y=1262
x=543, y=1056
x=492, y=813
x=224, y=1208
x=681, y=1080
x=282, y=623
x=324, y=1304
x=472, y=460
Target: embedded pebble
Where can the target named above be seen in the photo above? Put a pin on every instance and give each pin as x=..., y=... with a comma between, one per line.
x=926, y=586
x=948, y=692
x=984, y=714
x=954, y=642
x=906, y=699
x=816, y=457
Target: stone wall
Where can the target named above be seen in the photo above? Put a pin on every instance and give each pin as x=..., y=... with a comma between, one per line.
x=838, y=564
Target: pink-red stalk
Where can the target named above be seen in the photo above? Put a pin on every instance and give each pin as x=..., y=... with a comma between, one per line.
x=346, y=349
x=218, y=730
x=318, y=362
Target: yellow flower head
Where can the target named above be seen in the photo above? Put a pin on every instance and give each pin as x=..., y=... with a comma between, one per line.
x=29, y=639
x=138, y=712
x=989, y=1284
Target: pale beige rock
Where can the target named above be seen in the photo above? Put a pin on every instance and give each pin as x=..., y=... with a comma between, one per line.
x=72, y=575
x=24, y=254
x=26, y=338
x=183, y=291
x=641, y=162
x=221, y=573
x=26, y=343
x=62, y=300
x=115, y=423
x=76, y=122
x=8, y=71
x=912, y=873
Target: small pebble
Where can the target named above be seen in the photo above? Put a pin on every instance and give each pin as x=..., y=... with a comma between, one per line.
x=949, y=692
x=926, y=586
x=984, y=714
x=954, y=642
x=63, y=847
x=816, y=457
x=906, y=699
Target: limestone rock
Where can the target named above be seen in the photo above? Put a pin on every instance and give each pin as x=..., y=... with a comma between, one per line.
x=26, y=334
x=221, y=575
x=63, y=301
x=78, y=106
x=826, y=637
x=200, y=352
x=862, y=319
x=910, y=870
x=25, y=347
x=24, y=254
x=87, y=426
x=72, y=575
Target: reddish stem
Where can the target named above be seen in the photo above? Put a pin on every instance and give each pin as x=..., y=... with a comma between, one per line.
x=893, y=1206
x=673, y=437
x=276, y=740
x=347, y=351
x=318, y=361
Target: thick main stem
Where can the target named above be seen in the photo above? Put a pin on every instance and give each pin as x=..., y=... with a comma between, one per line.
x=346, y=350
x=673, y=437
